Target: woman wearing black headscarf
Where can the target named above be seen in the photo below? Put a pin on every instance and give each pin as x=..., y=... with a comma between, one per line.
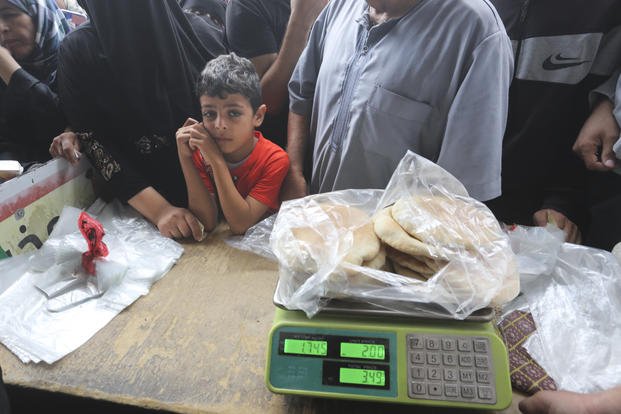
x=126, y=80
x=207, y=19
x=30, y=34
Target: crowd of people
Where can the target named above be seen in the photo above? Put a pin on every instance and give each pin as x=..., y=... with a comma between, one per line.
x=193, y=110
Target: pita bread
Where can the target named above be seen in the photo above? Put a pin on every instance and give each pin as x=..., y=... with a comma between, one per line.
x=379, y=261
x=443, y=221
x=307, y=245
x=404, y=271
x=393, y=235
x=411, y=262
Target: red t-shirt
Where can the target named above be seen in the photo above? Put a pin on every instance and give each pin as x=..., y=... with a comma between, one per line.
x=259, y=177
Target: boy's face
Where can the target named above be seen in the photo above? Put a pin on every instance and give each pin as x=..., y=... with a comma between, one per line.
x=231, y=123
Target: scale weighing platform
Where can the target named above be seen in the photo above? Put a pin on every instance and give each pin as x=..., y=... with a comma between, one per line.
x=361, y=352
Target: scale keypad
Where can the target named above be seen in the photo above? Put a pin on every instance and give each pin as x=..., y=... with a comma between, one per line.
x=450, y=368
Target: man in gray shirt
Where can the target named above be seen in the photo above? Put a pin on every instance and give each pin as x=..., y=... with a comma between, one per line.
x=380, y=77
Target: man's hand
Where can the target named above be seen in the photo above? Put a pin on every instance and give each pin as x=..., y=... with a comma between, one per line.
x=306, y=10
x=294, y=186
x=183, y=138
x=200, y=138
x=178, y=223
x=558, y=402
x=66, y=145
x=545, y=216
x=598, y=135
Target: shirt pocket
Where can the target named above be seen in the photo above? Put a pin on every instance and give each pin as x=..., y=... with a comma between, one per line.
x=394, y=123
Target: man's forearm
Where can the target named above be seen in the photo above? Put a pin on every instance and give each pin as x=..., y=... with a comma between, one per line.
x=274, y=81
x=297, y=133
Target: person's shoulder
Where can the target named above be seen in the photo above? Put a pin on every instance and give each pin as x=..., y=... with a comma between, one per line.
x=269, y=152
x=81, y=37
x=480, y=15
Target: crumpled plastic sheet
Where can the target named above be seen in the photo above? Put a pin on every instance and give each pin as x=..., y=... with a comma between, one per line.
x=574, y=295
x=49, y=305
x=316, y=271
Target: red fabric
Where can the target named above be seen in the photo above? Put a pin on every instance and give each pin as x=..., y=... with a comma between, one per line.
x=259, y=177
x=93, y=232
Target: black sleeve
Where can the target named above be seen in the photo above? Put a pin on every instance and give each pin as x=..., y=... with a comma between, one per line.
x=35, y=106
x=92, y=108
x=4, y=399
x=248, y=30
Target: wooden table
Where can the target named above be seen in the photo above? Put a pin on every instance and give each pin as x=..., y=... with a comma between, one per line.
x=195, y=344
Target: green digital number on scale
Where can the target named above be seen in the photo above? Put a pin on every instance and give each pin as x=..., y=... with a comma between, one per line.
x=362, y=376
x=365, y=351
x=306, y=347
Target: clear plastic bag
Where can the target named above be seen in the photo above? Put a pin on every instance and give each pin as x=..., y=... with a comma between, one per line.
x=574, y=295
x=53, y=306
x=318, y=241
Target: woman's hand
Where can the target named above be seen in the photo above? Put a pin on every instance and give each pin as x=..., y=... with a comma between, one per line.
x=178, y=223
x=67, y=146
x=8, y=65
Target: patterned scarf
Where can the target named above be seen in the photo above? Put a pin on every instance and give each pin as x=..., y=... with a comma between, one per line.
x=51, y=28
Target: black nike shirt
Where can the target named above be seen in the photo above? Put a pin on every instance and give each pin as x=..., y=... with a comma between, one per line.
x=561, y=54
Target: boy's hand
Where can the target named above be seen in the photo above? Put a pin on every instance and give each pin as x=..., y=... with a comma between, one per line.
x=183, y=138
x=200, y=138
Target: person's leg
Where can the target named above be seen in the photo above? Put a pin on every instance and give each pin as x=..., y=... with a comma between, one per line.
x=563, y=402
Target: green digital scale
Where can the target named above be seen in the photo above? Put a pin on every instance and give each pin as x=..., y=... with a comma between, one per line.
x=361, y=352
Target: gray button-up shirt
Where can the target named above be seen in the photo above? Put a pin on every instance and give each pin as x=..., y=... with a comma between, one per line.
x=434, y=81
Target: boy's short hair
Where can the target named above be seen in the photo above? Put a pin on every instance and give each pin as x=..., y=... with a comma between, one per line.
x=229, y=74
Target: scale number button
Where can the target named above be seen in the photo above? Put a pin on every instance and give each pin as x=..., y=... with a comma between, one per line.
x=467, y=391
x=435, y=389
x=416, y=343
x=418, y=357
x=486, y=393
x=448, y=344
x=466, y=375
x=464, y=345
x=481, y=361
x=418, y=388
x=450, y=374
x=480, y=345
x=466, y=360
x=433, y=343
x=433, y=358
x=418, y=373
x=449, y=359
x=483, y=377
x=451, y=390
x=434, y=373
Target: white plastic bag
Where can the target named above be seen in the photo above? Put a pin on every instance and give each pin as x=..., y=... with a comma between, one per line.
x=36, y=327
x=574, y=295
x=313, y=240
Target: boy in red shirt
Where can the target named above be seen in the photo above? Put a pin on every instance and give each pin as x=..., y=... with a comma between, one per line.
x=225, y=162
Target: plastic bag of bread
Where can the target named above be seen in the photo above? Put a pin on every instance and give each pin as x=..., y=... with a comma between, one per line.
x=420, y=245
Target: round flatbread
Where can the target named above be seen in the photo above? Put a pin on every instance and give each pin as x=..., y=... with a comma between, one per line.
x=404, y=271
x=394, y=236
x=408, y=261
x=379, y=261
x=447, y=221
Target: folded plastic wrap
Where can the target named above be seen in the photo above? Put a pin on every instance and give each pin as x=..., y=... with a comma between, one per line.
x=574, y=295
x=53, y=306
x=334, y=245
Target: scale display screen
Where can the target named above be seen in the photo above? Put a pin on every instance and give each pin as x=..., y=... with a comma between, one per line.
x=310, y=345
x=363, y=351
x=306, y=347
x=362, y=376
